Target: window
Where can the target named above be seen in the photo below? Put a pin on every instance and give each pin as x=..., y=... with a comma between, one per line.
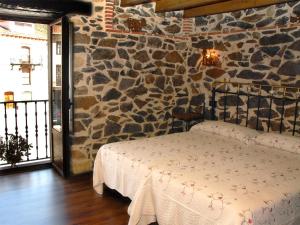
x=21, y=24
x=26, y=78
x=25, y=66
x=27, y=95
x=58, y=75
x=9, y=97
x=58, y=48
x=25, y=54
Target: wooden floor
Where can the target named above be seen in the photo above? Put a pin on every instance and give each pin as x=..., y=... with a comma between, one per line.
x=43, y=198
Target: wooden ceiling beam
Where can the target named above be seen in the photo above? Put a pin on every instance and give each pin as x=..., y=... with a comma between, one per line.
x=27, y=19
x=172, y=5
x=126, y=3
x=52, y=6
x=229, y=6
x=42, y=11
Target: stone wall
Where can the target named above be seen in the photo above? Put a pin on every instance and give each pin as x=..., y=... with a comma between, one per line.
x=172, y=23
x=169, y=23
x=259, y=18
x=87, y=30
x=267, y=57
x=127, y=88
x=126, y=85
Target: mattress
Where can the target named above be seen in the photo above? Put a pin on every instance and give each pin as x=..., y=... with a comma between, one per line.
x=198, y=178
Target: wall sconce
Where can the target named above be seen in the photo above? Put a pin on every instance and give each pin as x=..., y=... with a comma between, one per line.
x=210, y=57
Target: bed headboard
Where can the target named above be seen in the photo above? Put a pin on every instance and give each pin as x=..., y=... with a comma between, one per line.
x=262, y=107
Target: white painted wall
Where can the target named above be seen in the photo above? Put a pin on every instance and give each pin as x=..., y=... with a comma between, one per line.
x=11, y=80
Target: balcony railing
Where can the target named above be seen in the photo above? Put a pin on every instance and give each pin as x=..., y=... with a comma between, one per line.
x=29, y=119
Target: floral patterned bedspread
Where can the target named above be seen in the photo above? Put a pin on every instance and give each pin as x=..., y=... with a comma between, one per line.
x=197, y=178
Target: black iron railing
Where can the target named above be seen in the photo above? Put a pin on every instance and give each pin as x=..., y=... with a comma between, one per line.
x=29, y=119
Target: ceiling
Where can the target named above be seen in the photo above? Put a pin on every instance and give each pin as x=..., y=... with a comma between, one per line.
x=194, y=8
x=42, y=11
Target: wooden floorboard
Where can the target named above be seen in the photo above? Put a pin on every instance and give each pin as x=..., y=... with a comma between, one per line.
x=44, y=198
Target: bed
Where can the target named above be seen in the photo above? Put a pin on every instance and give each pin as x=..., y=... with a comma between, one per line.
x=215, y=174
x=186, y=179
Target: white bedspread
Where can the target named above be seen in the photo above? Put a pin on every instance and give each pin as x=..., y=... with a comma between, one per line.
x=196, y=178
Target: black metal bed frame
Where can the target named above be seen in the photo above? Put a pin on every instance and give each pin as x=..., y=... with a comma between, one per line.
x=282, y=93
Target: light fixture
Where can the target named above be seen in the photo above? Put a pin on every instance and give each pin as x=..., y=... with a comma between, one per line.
x=210, y=57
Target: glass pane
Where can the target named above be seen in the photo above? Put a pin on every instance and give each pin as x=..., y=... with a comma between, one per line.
x=56, y=77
